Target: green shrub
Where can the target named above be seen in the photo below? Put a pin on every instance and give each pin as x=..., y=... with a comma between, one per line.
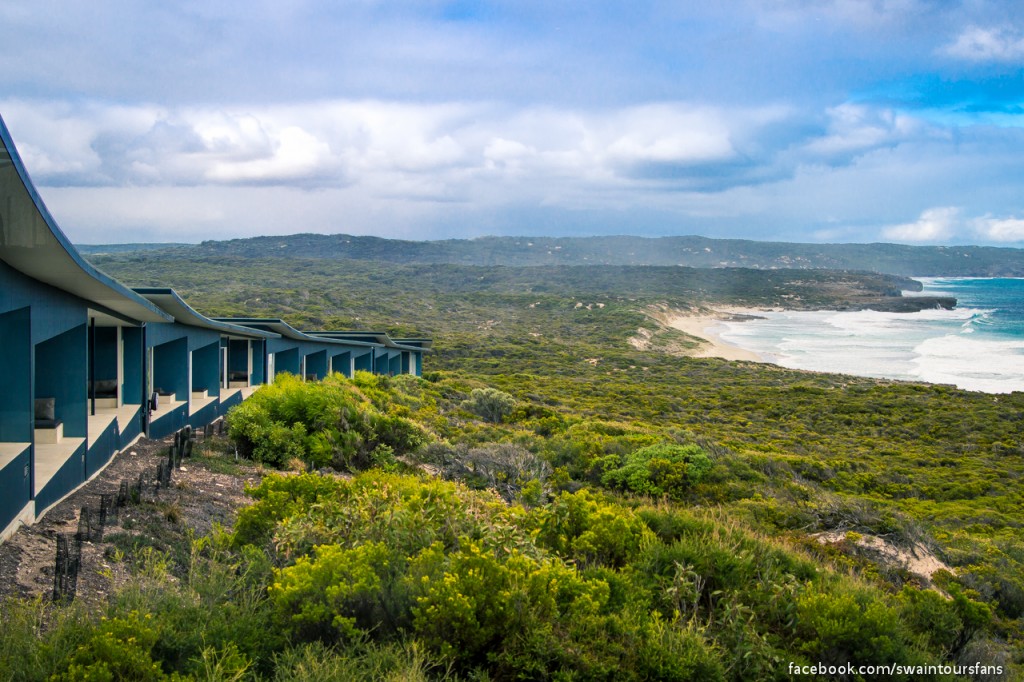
x=668, y=651
x=281, y=443
x=581, y=528
x=324, y=423
x=37, y=639
x=490, y=404
x=278, y=497
x=663, y=469
x=400, y=434
x=476, y=608
x=338, y=593
x=215, y=617
x=948, y=625
x=316, y=662
x=407, y=514
x=223, y=665
x=850, y=624
x=119, y=649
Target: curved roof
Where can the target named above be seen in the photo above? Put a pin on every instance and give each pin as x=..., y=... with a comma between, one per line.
x=32, y=243
x=168, y=300
x=380, y=337
x=421, y=343
x=287, y=331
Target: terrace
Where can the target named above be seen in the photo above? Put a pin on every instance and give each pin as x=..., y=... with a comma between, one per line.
x=123, y=416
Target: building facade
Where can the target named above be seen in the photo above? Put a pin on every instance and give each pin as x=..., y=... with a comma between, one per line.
x=90, y=365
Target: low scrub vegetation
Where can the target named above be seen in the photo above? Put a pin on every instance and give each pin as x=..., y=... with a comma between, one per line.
x=558, y=548
x=410, y=576
x=689, y=518
x=328, y=423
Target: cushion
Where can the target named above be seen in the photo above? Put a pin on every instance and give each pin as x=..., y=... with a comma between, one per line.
x=45, y=408
x=236, y=375
x=105, y=387
x=47, y=423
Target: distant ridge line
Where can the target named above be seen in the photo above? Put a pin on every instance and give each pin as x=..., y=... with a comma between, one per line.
x=690, y=250
x=127, y=248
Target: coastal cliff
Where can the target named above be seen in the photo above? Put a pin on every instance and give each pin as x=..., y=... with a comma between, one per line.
x=901, y=304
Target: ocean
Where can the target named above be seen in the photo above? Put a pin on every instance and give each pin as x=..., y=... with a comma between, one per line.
x=979, y=346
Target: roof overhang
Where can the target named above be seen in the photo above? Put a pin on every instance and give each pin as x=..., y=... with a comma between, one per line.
x=381, y=338
x=424, y=344
x=32, y=243
x=169, y=301
x=279, y=326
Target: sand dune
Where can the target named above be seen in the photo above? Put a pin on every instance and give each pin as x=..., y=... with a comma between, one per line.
x=702, y=325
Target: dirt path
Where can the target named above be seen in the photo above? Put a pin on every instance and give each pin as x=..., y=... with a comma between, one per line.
x=204, y=491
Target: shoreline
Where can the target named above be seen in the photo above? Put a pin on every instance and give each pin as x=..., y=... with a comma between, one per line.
x=701, y=325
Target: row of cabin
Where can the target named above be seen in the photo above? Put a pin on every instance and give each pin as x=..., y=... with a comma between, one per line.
x=88, y=365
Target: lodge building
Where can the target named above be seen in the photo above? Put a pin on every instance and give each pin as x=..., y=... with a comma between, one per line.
x=89, y=365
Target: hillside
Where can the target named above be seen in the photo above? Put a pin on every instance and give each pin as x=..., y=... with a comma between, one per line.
x=693, y=251
x=709, y=531
x=420, y=298
x=603, y=511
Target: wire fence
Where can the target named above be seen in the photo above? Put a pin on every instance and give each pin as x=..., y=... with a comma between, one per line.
x=93, y=522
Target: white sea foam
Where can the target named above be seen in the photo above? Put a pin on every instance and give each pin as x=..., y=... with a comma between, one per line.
x=937, y=346
x=989, y=365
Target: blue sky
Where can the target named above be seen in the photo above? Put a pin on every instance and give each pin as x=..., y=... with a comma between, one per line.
x=885, y=120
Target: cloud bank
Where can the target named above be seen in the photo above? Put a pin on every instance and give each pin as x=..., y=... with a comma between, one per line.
x=898, y=119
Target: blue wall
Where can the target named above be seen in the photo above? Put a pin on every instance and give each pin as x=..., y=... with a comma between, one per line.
x=364, y=362
x=238, y=355
x=170, y=368
x=61, y=365
x=103, y=448
x=258, y=362
x=206, y=369
x=16, y=407
x=16, y=486
x=316, y=364
x=131, y=388
x=168, y=422
x=70, y=475
x=53, y=311
x=37, y=318
x=226, y=403
x=55, y=321
x=287, y=361
x=342, y=363
x=131, y=429
x=195, y=337
x=106, y=353
x=205, y=415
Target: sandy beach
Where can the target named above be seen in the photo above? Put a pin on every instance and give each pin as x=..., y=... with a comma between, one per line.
x=702, y=325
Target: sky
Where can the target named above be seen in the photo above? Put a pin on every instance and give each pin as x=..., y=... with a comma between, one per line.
x=786, y=120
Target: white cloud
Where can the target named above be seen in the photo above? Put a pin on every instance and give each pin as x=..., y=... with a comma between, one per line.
x=293, y=154
x=1000, y=229
x=668, y=134
x=383, y=144
x=854, y=129
x=368, y=166
x=1000, y=44
x=935, y=224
